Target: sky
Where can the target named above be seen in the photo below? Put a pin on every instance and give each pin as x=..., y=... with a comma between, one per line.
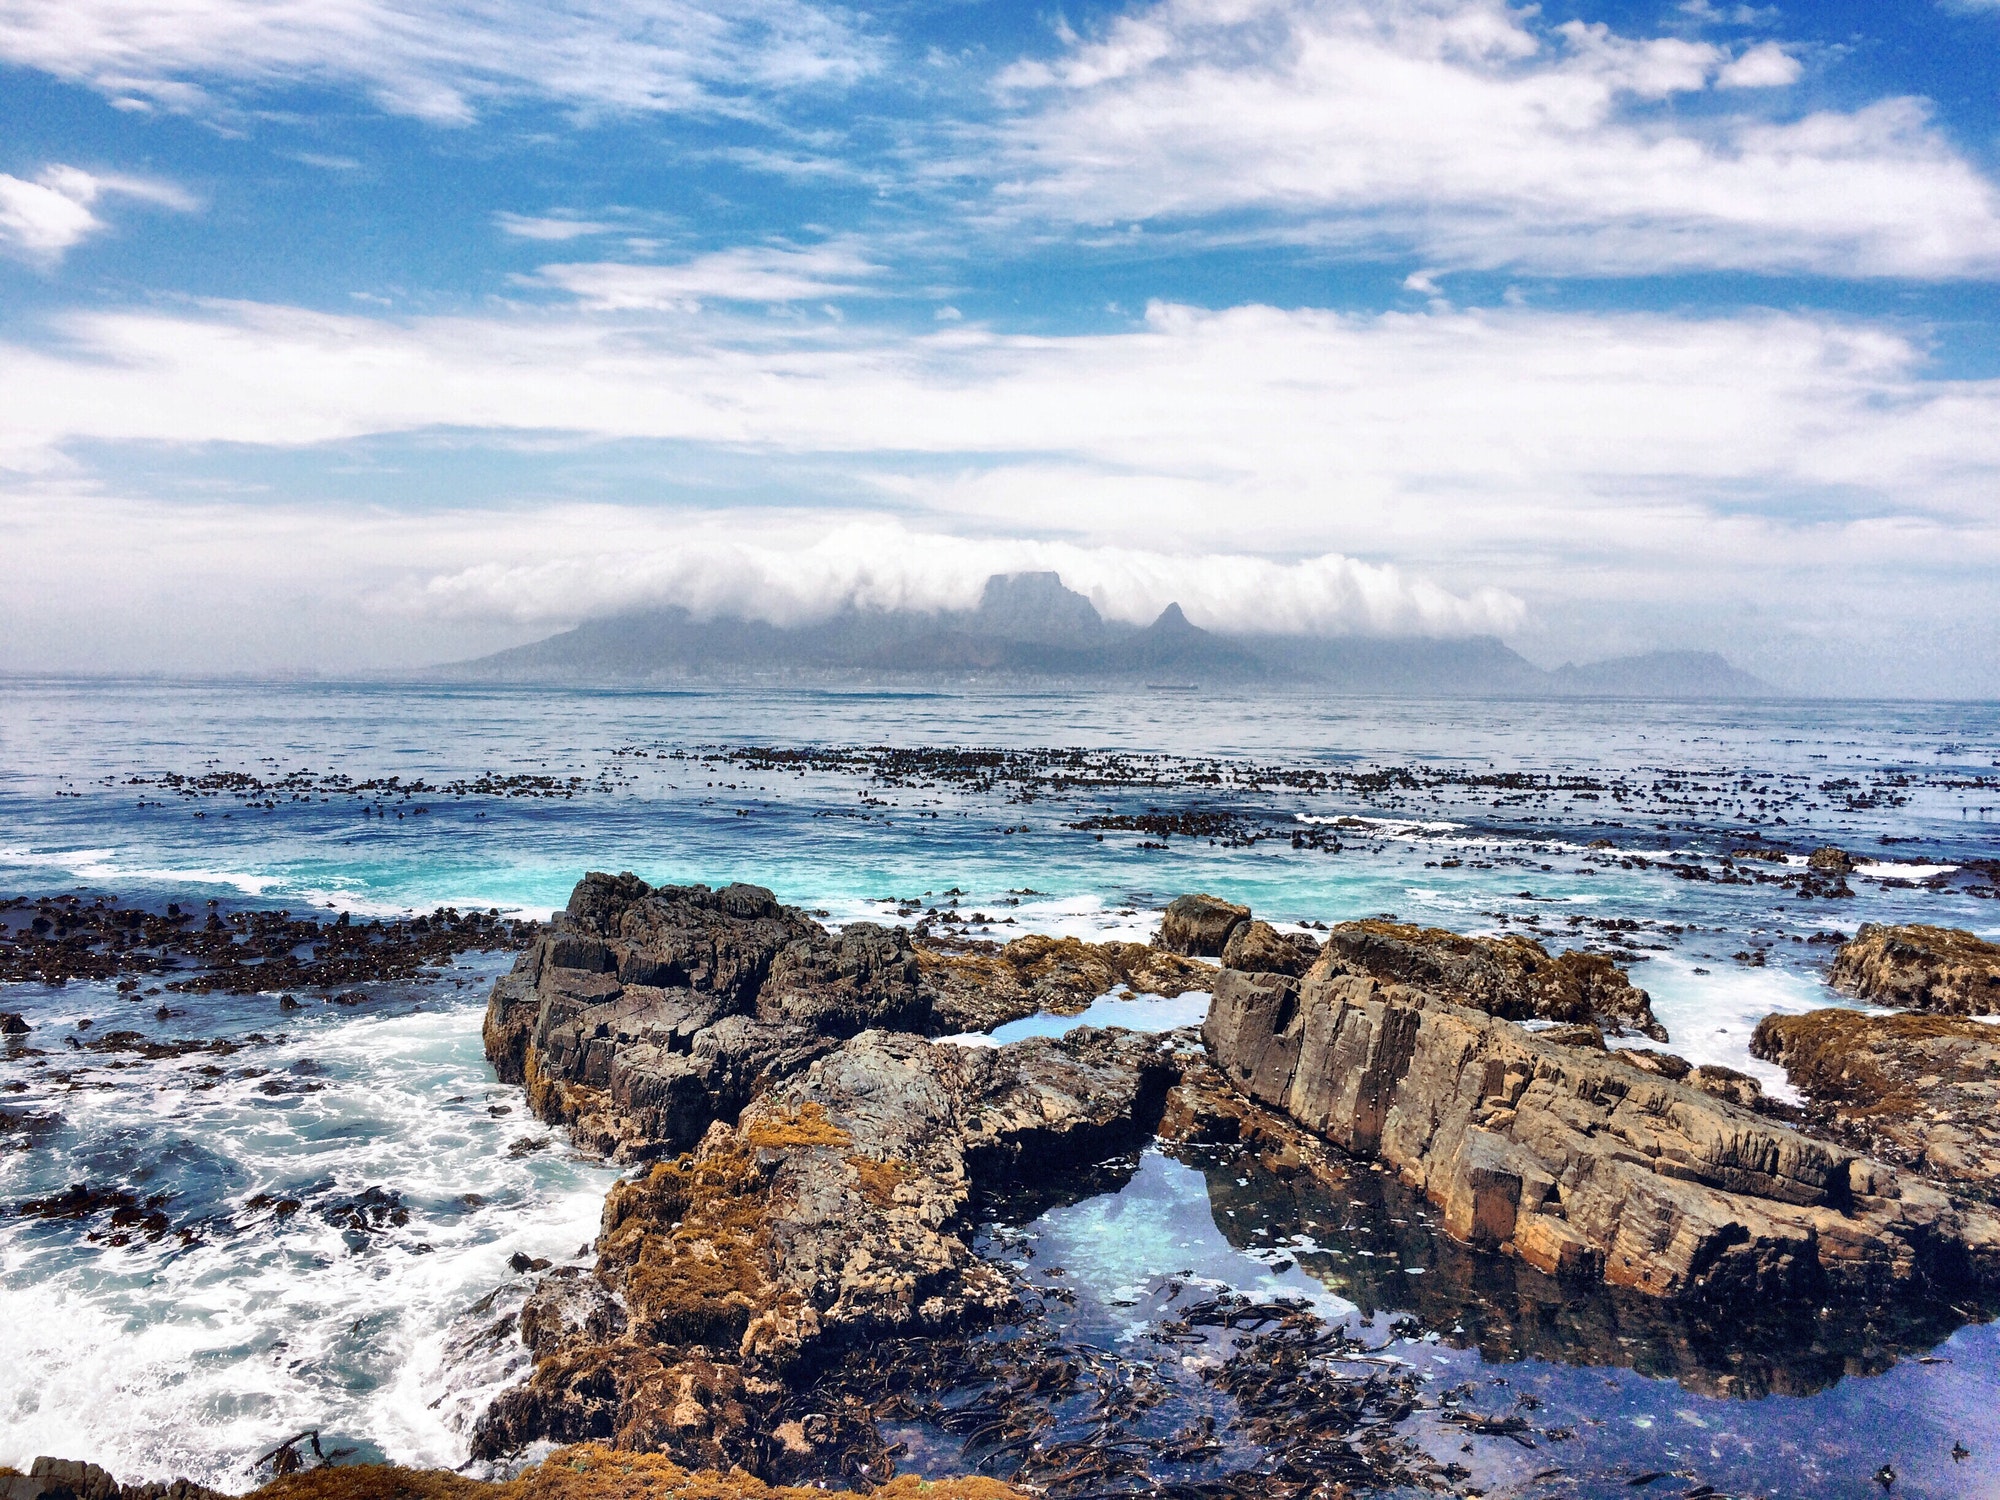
x=363, y=334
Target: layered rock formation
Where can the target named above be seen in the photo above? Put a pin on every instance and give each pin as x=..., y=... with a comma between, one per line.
x=833, y=1171
x=1512, y=977
x=1582, y=1165
x=1920, y=1091
x=1914, y=967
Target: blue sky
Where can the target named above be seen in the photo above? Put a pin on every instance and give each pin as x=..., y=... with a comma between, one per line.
x=357, y=333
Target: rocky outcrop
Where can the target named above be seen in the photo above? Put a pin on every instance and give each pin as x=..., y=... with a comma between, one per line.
x=1199, y=925
x=975, y=986
x=1920, y=1091
x=815, y=1163
x=1830, y=859
x=1914, y=967
x=1582, y=1165
x=833, y=1212
x=1512, y=977
x=643, y=1015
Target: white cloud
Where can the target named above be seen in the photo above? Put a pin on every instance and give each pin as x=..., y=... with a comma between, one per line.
x=44, y=218
x=767, y=274
x=1303, y=430
x=1574, y=462
x=440, y=60
x=554, y=227
x=1466, y=130
x=1764, y=66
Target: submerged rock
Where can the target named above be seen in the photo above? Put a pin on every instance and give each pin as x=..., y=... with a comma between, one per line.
x=1512, y=977
x=1582, y=1165
x=1199, y=925
x=1915, y=967
x=1920, y=1091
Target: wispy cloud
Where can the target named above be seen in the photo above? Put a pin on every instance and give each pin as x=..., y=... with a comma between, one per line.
x=766, y=274
x=44, y=218
x=441, y=60
x=1471, y=132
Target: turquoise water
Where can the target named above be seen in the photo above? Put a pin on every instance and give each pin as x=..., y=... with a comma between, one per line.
x=160, y=1357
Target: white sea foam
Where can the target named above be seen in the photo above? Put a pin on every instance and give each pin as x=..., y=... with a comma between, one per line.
x=1385, y=826
x=158, y=1360
x=1710, y=1017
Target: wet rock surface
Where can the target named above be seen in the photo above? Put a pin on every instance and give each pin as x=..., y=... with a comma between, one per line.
x=1919, y=1091
x=1512, y=977
x=834, y=1212
x=807, y=1277
x=1583, y=1166
x=1915, y=967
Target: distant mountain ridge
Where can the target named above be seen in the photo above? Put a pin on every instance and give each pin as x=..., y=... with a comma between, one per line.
x=1030, y=626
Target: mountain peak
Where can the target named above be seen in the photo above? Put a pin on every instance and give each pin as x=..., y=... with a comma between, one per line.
x=1036, y=608
x=1172, y=619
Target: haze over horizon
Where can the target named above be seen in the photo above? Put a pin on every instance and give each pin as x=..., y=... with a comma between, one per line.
x=379, y=333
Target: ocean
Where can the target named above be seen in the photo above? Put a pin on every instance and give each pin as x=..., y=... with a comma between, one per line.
x=1657, y=833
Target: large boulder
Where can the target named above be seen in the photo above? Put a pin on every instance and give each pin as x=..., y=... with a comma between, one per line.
x=1512, y=976
x=975, y=986
x=1920, y=1091
x=1915, y=967
x=1259, y=948
x=1582, y=1165
x=1199, y=926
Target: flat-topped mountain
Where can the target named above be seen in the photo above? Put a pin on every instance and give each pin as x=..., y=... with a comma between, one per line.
x=1029, y=626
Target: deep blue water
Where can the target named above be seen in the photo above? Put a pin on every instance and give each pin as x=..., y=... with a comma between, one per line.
x=163, y=1357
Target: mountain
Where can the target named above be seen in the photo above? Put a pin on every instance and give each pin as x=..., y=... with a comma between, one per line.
x=1029, y=626
x=1660, y=674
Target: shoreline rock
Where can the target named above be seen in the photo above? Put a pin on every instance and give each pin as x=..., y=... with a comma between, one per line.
x=1917, y=967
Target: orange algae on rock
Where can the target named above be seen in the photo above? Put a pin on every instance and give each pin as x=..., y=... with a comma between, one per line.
x=592, y=1471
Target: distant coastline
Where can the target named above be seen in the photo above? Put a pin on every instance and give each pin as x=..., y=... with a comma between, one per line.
x=1030, y=628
